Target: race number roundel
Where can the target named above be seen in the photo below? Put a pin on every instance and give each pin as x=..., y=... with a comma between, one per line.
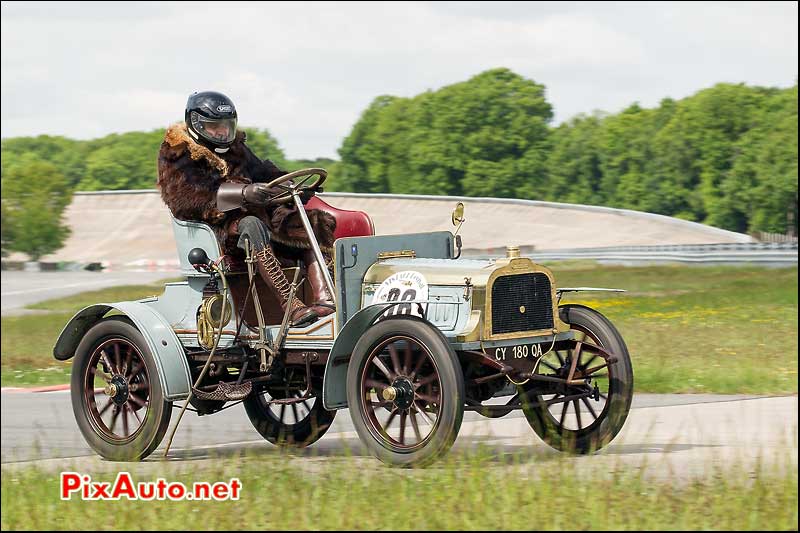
x=405, y=286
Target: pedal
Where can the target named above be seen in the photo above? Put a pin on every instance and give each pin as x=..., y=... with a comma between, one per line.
x=226, y=392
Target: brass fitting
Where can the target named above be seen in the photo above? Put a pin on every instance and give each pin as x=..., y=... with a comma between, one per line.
x=389, y=394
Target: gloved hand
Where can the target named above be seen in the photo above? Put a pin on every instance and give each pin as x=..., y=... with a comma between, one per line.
x=307, y=195
x=256, y=193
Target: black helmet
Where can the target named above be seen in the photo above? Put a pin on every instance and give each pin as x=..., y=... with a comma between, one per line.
x=211, y=120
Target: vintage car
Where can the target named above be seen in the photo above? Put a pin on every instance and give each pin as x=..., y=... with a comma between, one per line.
x=419, y=336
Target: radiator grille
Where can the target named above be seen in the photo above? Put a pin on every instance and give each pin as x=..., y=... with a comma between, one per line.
x=511, y=293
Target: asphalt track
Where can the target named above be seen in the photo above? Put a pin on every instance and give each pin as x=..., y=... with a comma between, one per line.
x=672, y=434
x=24, y=288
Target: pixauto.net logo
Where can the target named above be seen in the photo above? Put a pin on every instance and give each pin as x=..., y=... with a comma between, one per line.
x=81, y=486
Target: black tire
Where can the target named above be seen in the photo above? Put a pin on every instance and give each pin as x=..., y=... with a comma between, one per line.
x=434, y=356
x=119, y=331
x=620, y=390
x=310, y=420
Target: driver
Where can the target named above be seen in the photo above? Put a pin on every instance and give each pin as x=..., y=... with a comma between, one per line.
x=207, y=173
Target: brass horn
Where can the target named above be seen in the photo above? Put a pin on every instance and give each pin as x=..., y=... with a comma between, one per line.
x=212, y=315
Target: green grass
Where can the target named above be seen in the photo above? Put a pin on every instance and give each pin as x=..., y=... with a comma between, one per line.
x=27, y=340
x=689, y=329
x=700, y=329
x=471, y=493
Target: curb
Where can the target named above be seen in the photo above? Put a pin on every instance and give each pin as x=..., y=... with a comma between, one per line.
x=47, y=388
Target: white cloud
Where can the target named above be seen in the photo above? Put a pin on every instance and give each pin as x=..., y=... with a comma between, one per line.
x=307, y=70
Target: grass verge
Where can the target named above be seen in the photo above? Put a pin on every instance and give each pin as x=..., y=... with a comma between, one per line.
x=461, y=494
x=700, y=329
x=689, y=329
x=27, y=340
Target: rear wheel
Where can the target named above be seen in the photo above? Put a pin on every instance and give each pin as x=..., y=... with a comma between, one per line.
x=295, y=425
x=583, y=424
x=117, y=395
x=405, y=391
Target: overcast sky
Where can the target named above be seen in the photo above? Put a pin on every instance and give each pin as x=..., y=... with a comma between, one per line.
x=306, y=71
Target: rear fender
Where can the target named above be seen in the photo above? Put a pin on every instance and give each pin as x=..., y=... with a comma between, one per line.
x=173, y=368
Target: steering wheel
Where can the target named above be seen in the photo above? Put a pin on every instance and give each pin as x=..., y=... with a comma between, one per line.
x=316, y=177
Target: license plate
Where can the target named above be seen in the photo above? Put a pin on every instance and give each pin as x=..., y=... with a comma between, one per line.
x=518, y=351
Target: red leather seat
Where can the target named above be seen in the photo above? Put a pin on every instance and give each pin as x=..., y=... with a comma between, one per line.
x=348, y=223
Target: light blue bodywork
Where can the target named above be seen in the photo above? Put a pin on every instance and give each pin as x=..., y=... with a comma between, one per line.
x=354, y=256
x=190, y=235
x=350, y=269
x=173, y=369
x=157, y=318
x=334, y=391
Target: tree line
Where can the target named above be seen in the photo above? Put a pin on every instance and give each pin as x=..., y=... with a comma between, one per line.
x=725, y=156
x=40, y=173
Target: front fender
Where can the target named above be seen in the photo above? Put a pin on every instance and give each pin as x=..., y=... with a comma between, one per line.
x=173, y=368
x=334, y=383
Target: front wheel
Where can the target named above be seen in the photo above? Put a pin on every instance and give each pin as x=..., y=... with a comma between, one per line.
x=598, y=406
x=405, y=391
x=117, y=395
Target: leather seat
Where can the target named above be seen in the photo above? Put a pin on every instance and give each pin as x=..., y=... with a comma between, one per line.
x=190, y=234
x=348, y=223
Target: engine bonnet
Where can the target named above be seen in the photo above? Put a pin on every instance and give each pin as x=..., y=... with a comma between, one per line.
x=435, y=271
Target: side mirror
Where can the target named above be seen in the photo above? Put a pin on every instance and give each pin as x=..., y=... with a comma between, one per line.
x=458, y=218
x=458, y=214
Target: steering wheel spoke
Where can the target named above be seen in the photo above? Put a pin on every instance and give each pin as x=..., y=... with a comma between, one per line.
x=300, y=185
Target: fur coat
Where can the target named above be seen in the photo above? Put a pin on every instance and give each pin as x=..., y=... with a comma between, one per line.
x=189, y=175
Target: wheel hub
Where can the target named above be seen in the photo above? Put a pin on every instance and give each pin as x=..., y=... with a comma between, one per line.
x=401, y=393
x=118, y=390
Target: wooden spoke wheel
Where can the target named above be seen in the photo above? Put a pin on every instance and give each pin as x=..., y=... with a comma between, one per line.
x=117, y=396
x=586, y=414
x=405, y=392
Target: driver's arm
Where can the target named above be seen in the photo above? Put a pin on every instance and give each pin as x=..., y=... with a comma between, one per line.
x=264, y=171
x=232, y=195
x=269, y=171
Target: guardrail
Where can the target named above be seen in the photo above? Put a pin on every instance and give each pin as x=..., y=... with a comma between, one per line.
x=764, y=236
x=764, y=254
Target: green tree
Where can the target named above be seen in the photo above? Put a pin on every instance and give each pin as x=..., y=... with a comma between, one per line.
x=363, y=153
x=265, y=146
x=122, y=161
x=117, y=161
x=485, y=136
x=762, y=182
x=726, y=155
x=6, y=230
x=68, y=155
x=697, y=148
x=573, y=163
x=34, y=195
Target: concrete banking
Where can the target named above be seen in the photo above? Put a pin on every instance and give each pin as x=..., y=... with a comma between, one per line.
x=133, y=228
